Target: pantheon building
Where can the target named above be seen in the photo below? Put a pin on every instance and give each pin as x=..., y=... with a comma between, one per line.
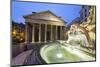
x=44, y=27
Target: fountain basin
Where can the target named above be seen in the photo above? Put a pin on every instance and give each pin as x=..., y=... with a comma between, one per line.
x=57, y=53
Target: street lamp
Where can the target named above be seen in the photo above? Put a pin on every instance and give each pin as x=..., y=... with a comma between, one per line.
x=14, y=32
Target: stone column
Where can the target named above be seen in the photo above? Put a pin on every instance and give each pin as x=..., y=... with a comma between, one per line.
x=60, y=32
x=51, y=33
x=39, y=33
x=56, y=32
x=64, y=37
x=33, y=29
x=45, y=32
x=64, y=33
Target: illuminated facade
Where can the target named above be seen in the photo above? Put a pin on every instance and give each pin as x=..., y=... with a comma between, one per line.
x=44, y=27
x=18, y=32
x=87, y=24
x=90, y=25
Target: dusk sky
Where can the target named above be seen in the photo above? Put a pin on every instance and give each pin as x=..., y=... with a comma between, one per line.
x=66, y=12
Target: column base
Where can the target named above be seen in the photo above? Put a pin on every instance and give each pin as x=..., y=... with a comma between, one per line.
x=39, y=41
x=45, y=41
x=33, y=42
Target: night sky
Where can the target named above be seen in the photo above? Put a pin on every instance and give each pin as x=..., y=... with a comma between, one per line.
x=66, y=12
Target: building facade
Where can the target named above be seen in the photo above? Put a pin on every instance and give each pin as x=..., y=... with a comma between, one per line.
x=18, y=32
x=84, y=13
x=44, y=27
x=90, y=26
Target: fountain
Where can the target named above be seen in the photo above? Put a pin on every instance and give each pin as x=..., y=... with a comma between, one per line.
x=56, y=53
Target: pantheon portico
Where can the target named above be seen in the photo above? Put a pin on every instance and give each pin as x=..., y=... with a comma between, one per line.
x=44, y=27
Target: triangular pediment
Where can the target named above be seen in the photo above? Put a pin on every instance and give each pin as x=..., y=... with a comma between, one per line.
x=45, y=15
